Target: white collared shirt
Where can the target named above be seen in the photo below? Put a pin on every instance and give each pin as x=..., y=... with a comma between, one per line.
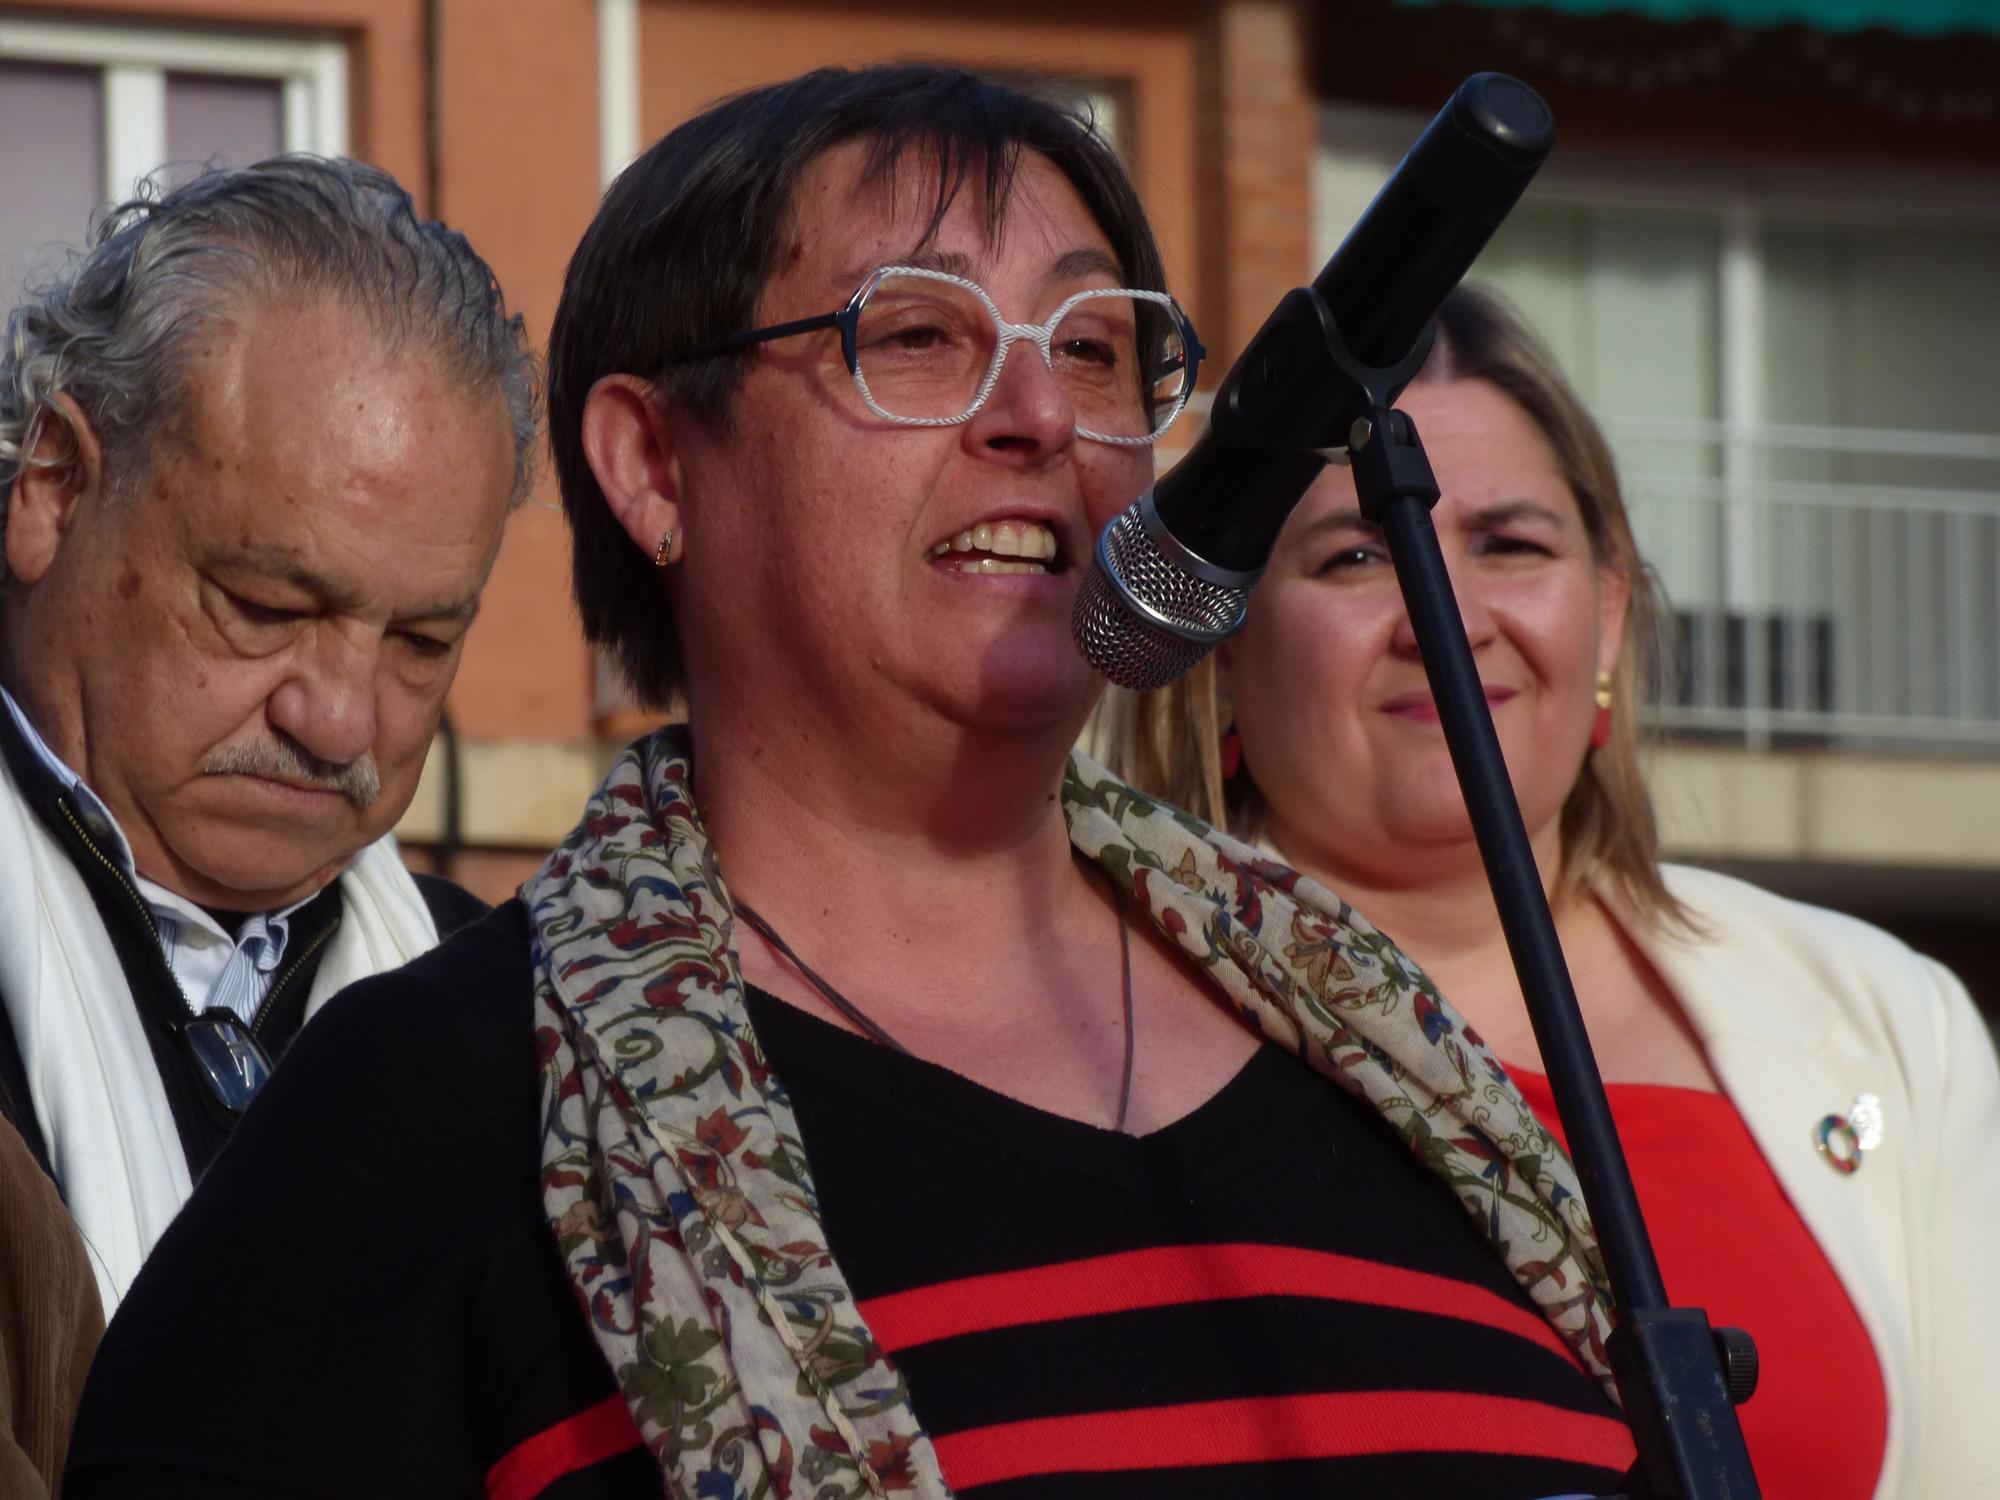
x=212, y=968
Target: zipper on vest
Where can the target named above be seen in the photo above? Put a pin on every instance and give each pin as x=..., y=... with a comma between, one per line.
x=159, y=948
x=131, y=894
x=271, y=995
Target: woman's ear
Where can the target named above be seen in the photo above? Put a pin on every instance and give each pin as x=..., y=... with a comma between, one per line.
x=65, y=462
x=629, y=443
x=1614, y=596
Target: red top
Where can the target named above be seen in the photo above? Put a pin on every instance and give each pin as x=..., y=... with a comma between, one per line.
x=1730, y=1243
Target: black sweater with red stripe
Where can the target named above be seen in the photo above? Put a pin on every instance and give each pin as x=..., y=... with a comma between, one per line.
x=1267, y=1298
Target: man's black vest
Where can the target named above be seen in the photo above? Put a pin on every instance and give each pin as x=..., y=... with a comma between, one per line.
x=202, y=1120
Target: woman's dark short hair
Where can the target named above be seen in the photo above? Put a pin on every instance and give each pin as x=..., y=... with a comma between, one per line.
x=689, y=235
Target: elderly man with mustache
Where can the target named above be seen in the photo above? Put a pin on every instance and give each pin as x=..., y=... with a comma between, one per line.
x=258, y=444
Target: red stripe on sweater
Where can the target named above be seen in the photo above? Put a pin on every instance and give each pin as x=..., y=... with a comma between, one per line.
x=591, y=1436
x=1176, y=1275
x=1273, y=1428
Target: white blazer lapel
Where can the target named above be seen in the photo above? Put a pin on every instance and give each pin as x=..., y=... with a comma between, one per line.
x=1789, y=1050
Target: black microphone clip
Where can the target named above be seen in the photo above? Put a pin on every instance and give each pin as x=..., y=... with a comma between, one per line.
x=1303, y=368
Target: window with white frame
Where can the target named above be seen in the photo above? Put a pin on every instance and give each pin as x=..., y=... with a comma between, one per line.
x=1793, y=368
x=89, y=109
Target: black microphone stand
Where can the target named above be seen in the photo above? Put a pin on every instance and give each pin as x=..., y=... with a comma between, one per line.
x=1679, y=1379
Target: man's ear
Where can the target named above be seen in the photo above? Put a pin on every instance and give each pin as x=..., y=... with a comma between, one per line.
x=629, y=443
x=64, y=463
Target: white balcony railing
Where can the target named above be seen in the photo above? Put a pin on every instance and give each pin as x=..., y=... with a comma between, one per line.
x=1828, y=585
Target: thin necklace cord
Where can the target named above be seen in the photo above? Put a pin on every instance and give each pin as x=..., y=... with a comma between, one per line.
x=833, y=996
x=874, y=1031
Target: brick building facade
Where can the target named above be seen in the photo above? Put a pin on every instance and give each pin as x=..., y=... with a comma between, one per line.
x=1240, y=119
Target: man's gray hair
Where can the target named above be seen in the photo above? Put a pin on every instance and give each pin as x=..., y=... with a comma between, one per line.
x=109, y=329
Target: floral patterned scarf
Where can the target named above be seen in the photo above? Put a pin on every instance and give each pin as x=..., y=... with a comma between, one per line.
x=683, y=1203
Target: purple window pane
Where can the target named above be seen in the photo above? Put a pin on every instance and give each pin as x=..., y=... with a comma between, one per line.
x=52, y=169
x=230, y=121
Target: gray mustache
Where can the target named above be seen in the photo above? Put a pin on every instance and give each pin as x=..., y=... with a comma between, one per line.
x=356, y=780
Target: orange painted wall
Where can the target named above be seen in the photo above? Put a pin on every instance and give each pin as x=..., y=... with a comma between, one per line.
x=696, y=50
x=487, y=111
x=517, y=171
x=511, y=95
x=490, y=120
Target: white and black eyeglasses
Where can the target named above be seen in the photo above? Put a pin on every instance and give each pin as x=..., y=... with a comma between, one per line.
x=926, y=349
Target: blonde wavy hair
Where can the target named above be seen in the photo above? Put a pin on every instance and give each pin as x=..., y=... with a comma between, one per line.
x=1168, y=742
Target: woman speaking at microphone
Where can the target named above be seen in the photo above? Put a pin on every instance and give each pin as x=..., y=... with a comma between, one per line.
x=1810, y=1109
x=868, y=1097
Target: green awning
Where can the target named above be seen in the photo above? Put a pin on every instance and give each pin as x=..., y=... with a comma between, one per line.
x=1911, y=17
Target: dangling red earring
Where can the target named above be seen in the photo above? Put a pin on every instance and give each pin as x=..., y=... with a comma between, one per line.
x=1231, y=752
x=1600, y=728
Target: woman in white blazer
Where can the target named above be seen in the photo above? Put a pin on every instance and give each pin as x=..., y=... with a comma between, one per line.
x=1811, y=1110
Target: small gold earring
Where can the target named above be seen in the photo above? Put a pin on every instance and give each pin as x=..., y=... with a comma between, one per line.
x=661, y=552
x=1600, y=724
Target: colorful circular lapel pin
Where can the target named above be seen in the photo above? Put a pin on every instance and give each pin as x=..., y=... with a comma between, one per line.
x=1844, y=1139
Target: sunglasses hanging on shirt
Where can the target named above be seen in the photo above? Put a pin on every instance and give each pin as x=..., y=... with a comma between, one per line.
x=233, y=1062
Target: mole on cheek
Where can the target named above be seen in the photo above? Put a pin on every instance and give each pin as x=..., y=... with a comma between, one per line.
x=128, y=583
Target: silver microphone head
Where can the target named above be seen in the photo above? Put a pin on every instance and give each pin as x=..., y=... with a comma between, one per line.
x=1149, y=609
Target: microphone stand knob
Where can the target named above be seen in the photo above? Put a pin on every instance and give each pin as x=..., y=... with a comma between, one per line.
x=1739, y=1363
